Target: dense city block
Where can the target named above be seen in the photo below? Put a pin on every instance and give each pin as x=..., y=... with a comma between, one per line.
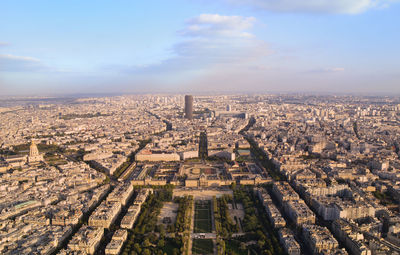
x=221, y=174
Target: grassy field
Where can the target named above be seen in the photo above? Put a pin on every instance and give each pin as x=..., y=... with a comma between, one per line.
x=202, y=217
x=203, y=246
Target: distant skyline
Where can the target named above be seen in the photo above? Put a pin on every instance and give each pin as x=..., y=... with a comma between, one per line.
x=195, y=46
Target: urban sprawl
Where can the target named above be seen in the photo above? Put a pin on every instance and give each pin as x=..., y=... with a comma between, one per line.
x=223, y=174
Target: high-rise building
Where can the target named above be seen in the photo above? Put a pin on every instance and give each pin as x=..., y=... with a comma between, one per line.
x=203, y=145
x=189, y=107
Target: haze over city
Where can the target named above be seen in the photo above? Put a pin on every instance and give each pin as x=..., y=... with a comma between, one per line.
x=67, y=47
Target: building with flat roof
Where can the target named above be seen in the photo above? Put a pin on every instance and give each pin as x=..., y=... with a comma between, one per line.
x=86, y=240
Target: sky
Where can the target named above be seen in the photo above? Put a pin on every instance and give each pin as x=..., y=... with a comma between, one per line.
x=199, y=46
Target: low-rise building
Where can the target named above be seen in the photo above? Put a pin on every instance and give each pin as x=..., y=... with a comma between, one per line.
x=289, y=243
x=105, y=214
x=319, y=239
x=87, y=239
x=299, y=212
x=130, y=217
x=114, y=247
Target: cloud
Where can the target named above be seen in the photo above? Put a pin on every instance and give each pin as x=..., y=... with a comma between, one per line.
x=219, y=39
x=336, y=69
x=12, y=63
x=316, y=6
x=211, y=41
x=328, y=70
x=2, y=44
x=218, y=25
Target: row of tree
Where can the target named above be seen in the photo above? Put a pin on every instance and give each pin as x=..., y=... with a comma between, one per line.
x=256, y=224
x=260, y=156
x=218, y=227
x=221, y=214
x=183, y=218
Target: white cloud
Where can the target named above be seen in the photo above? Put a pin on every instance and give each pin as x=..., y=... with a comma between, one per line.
x=212, y=48
x=336, y=69
x=3, y=44
x=317, y=6
x=219, y=25
x=328, y=70
x=211, y=40
x=18, y=58
x=12, y=63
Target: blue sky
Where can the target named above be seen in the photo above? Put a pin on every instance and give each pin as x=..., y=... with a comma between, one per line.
x=123, y=46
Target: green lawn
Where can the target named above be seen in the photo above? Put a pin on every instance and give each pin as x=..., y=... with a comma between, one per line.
x=203, y=204
x=202, y=226
x=202, y=217
x=202, y=214
x=203, y=246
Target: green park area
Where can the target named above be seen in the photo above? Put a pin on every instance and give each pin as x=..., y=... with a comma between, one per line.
x=203, y=246
x=202, y=217
x=147, y=237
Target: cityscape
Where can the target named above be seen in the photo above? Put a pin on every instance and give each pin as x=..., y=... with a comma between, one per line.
x=199, y=127
x=185, y=174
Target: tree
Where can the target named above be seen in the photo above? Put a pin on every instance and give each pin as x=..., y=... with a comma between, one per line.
x=146, y=252
x=146, y=242
x=137, y=248
x=242, y=246
x=161, y=243
x=267, y=252
x=162, y=230
x=153, y=238
x=261, y=243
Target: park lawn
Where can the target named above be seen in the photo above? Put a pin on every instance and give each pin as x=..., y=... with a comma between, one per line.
x=203, y=205
x=203, y=246
x=202, y=217
x=202, y=214
x=202, y=226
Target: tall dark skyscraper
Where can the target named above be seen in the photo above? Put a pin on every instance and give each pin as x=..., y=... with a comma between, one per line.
x=189, y=107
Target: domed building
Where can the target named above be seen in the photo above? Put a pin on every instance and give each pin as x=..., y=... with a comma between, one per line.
x=34, y=155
